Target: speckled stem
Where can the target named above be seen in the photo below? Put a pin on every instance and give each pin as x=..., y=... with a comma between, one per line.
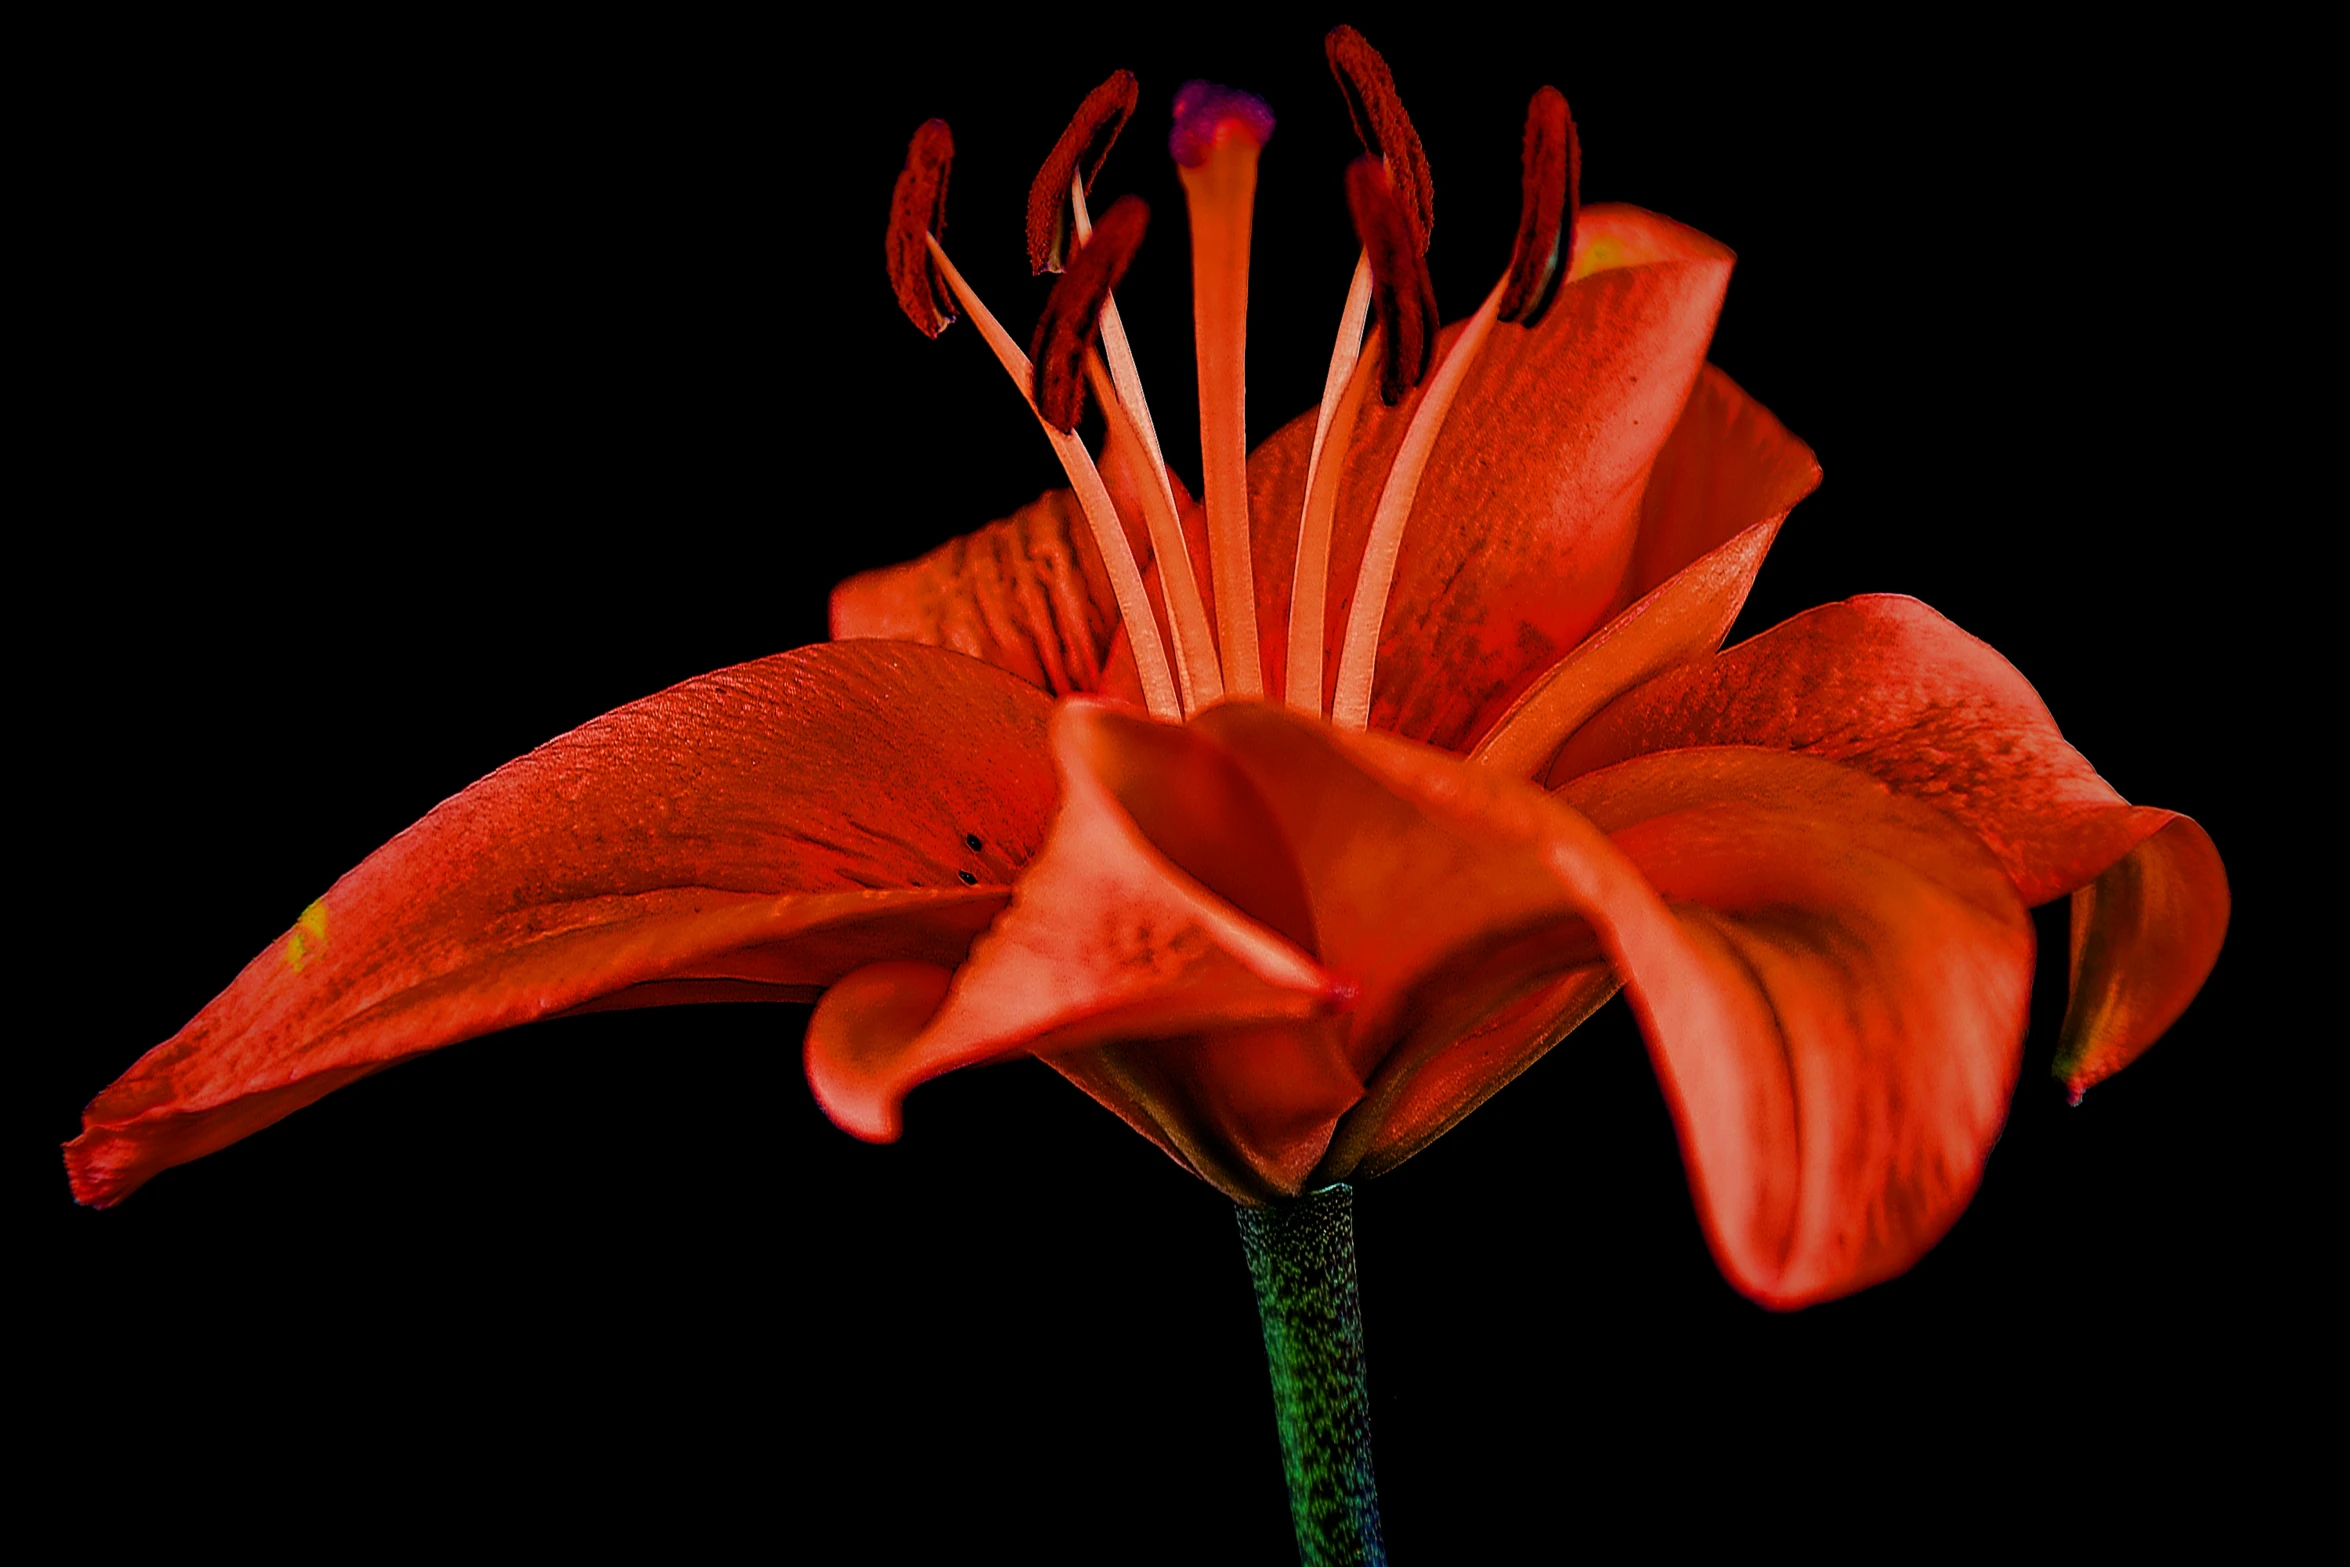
x=1301, y=1256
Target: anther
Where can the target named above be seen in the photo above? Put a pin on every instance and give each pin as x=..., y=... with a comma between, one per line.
x=1072, y=317
x=1386, y=131
x=1403, y=298
x=1077, y=155
x=917, y=211
x=1551, y=192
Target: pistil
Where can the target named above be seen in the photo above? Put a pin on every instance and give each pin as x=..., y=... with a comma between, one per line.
x=1218, y=134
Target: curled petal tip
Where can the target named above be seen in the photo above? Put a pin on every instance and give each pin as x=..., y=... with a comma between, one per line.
x=1080, y=152
x=2145, y=934
x=917, y=211
x=1205, y=114
x=858, y=1065
x=88, y=1173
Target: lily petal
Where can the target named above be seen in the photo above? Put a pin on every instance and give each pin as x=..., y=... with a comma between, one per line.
x=1728, y=465
x=1026, y=593
x=1683, y=620
x=1884, y=684
x=1417, y=1101
x=1531, y=504
x=711, y=840
x=1436, y=922
x=1726, y=479
x=1835, y=998
x=1249, y=1110
x=2145, y=934
x=1162, y=908
x=1876, y=966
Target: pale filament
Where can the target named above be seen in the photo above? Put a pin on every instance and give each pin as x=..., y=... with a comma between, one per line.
x=1310, y=585
x=1187, y=615
x=1350, y=699
x=1093, y=497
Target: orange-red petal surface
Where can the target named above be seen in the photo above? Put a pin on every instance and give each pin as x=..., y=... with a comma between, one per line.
x=1683, y=620
x=1027, y=594
x=1835, y=996
x=1885, y=684
x=1728, y=465
x=1724, y=482
x=1110, y=939
x=2145, y=934
x=1415, y=1101
x=1435, y=922
x=760, y=830
x=1531, y=502
x=1870, y=976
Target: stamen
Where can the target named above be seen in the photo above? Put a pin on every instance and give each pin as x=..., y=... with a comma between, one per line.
x=1077, y=156
x=1072, y=315
x=1064, y=362
x=1380, y=121
x=1218, y=134
x=1401, y=291
x=1343, y=394
x=917, y=210
x=1553, y=174
x=1350, y=699
x=1410, y=196
x=1093, y=497
x=1187, y=613
x=1551, y=193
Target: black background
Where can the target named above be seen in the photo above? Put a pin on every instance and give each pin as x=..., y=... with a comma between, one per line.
x=423, y=393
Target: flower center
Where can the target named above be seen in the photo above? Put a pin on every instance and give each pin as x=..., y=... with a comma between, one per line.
x=1390, y=307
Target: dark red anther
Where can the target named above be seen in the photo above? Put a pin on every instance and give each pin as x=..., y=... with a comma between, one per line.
x=1546, y=210
x=1073, y=315
x=1403, y=299
x=1380, y=121
x=1082, y=146
x=1202, y=112
x=917, y=210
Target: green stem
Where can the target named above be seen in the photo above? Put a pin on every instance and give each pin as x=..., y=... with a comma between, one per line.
x=1301, y=1257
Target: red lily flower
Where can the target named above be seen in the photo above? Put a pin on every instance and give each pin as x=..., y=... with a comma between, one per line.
x=784, y=826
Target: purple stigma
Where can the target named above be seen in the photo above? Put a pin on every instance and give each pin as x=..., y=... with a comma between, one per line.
x=1203, y=109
